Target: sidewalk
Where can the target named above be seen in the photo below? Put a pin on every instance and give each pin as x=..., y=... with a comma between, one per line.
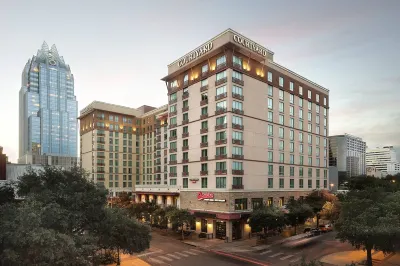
x=347, y=257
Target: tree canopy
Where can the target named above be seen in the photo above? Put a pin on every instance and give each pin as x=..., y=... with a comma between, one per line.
x=267, y=218
x=298, y=213
x=179, y=217
x=317, y=199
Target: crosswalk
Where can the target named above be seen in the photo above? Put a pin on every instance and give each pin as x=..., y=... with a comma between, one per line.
x=161, y=258
x=264, y=250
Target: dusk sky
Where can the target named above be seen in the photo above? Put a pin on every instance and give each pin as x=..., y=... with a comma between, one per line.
x=119, y=50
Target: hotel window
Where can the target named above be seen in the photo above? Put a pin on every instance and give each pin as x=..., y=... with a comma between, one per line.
x=270, y=169
x=291, y=135
x=309, y=183
x=324, y=100
x=291, y=110
x=301, y=171
x=317, y=172
x=172, y=182
x=301, y=183
x=291, y=122
x=237, y=75
x=172, y=145
x=317, y=152
x=281, y=94
x=221, y=120
x=204, y=110
x=237, y=135
x=221, y=75
x=220, y=135
x=317, y=186
x=204, y=139
x=204, y=125
x=172, y=121
x=185, y=103
x=204, y=82
x=301, y=136
x=237, y=166
x=291, y=183
x=281, y=132
x=172, y=169
x=172, y=108
x=301, y=113
x=204, y=69
x=325, y=132
x=317, y=129
x=317, y=119
x=281, y=184
x=318, y=162
x=185, y=156
x=281, y=107
x=221, y=90
x=309, y=105
x=291, y=171
x=173, y=84
x=281, y=157
x=240, y=204
x=291, y=98
x=237, y=151
x=172, y=133
x=309, y=161
x=186, y=79
x=270, y=106
x=325, y=152
x=185, y=183
x=270, y=90
x=325, y=174
x=317, y=97
x=220, y=182
x=281, y=119
x=291, y=157
x=317, y=109
x=237, y=90
x=324, y=111
x=310, y=172
x=220, y=151
x=300, y=90
x=237, y=105
x=281, y=145
x=309, y=139
x=291, y=146
x=269, y=75
x=237, y=60
x=111, y=118
x=204, y=153
x=270, y=116
x=291, y=86
x=221, y=60
x=310, y=150
x=325, y=142
x=204, y=96
x=270, y=130
x=204, y=182
x=325, y=184
x=220, y=106
x=270, y=156
x=300, y=102
x=280, y=81
x=301, y=160
x=281, y=170
x=309, y=128
x=237, y=120
x=324, y=121
x=309, y=94
x=270, y=183
x=317, y=140
x=270, y=143
x=309, y=115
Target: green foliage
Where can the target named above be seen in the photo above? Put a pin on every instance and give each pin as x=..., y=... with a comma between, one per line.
x=267, y=218
x=298, y=212
x=143, y=210
x=303, y=262
x=179, y=217
x=331, y=210
x=7, y=194
x=317, y=199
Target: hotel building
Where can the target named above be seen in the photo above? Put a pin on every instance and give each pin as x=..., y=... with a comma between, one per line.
x=241, y=131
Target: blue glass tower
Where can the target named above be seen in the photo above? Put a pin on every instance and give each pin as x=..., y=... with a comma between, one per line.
x=48, y=109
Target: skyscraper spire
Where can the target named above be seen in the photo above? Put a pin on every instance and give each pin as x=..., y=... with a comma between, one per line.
x=45, y=47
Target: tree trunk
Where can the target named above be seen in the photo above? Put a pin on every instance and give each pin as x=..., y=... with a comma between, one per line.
x=317, y=220
x=118, y=259
x=369, y=257
x=183, y=237
x=295, y=229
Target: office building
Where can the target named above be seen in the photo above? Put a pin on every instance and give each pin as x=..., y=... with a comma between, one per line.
x=384, y=160
x=48, y=111
x=3, y=163
x=118, y=145
x=242, y=131
x=347, y=153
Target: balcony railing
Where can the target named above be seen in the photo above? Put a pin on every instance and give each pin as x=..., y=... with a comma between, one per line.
x=185, y=135
x=173, y=101
x=173, y=150
x=172, y=174
x=203, y=102
x=219, y=127
x=172, y=126
x=221, y=96
x=203, y=130
x=101, y=134
x=237, y=111
x=220, y=172
x=203, y=172
x=100, y=171
x=204, y=74
x=100, y=149
x=173, y=162
x=185, y=95
x=220, y=157
x=204, y=116
x=237, y=157
x=101, y=156
x=172, y=138
x=237, y=141
x=185, y=148
x=172, y=113
x=238, y=96
x=185, y=173
x=220, y=81
x=185, y=160
x=203, y=144
x=158, y=138
x=237, y=187
x=185, y=109
x=101, y=141
x=238, y=81
x=237, y=172
x=220, y=66
x=185, y=122
x=220, y=142
x=220, y=111
x=204, y=88
x=204, y=158
x=101, y=164
x=237, y=65
x=185, y=83
x=237, y=126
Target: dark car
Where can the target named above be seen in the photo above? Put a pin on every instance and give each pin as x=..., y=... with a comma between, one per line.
x=307, y=229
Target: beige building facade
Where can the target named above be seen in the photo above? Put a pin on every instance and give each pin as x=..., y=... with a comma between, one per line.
x=242, y=131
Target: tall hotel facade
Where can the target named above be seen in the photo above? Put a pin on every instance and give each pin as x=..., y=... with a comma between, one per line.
x=48, y=111
x=241, y=131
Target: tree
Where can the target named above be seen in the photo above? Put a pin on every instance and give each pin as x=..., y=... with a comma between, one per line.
x=370, y=219
x=143, y=210
x=180, y=217
x=7, y=194
x=298, y=213
x=266, y=218
x=316, y=200
x=331, y=210
x=122, y=201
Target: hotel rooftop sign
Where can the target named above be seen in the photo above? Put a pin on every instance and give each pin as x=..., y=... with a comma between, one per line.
x=250, y=45
x=195, y=54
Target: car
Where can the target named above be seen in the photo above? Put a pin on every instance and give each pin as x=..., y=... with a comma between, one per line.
x=307, y=229
x=325, y=228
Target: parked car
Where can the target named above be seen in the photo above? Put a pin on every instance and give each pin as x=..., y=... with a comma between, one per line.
x=307, y=229
x=325, y=228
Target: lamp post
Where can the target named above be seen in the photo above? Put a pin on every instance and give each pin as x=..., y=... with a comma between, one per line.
x=332, y=185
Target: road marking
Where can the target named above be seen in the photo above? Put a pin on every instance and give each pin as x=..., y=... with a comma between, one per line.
x=265, y=252
x=295, y=260
x=286, y=257
x=181, y=254
x=148, y=253
x=174, y=256
x=197, y=250
x=277, y=254
x=261, y=247
x=190, y=252
x=156, y=260
x=164, y=258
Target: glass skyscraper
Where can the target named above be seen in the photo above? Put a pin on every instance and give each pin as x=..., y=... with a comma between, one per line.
x=48, y=111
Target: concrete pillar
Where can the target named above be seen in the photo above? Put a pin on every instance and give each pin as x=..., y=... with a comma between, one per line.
x=159, y=200
x=169, y=200
x=210, y=226
x=137, y=198
x=151, y=198
x=214, y=228
x=143, y=198
x=198, y=225
x=229, y=230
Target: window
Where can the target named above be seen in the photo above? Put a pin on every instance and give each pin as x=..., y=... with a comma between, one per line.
x=309, y=127
x=270, y=130
x=281, y=170
x=221, y=135
x=281, y=132
x=301, y=113
x=309, y=150
x=324, y=100
x=185, y=129
x=291, y=135
x=309, y=183
x=317, y=109
x=310, y=172
x=172, y=133
x=317, y=97
x=240, y=204
x=220, y=151
x=280, y=81
x=270, y=103
x=237, y=105
x=237, y=120
x=269, y=75
x=291, y=171
x=237, y=75
x=301, y=183
x=291, y=183
x=281, y=109
x=318, y=172
x=221, y=120
x=221, y=60
x=270, y=183
x=309, y=94
x=300, y=102
x=309, y=105
x=281, y=145
x=309, y=139
x=325, y=184
x=221, y=106
x=172, y=97
x=237, y=165
x=237, y=181
x=172, y=121
x=257, y=203
x=204, y=182
x=221, y=75
x=172, y=169
x=185, y=104
x=281, y=95
x=172, y=182
x=237, y=135
x=204, y=139
x=301, y=159
x=270, y=143
x=185, y=156
x=237, y=60
x=172, y=145
x=186, y=79
x=281, y=157
x=204, y=69
x=325, y=174
x=291, y=110
x=204, y=125
x=291, y=86
x=317, y=119
x=281, y=119
x=221, y=90
x=204, y=96
x=270, y=156
x=237, y=90
x=309, y=116
x=185, y=117
x=281, y=183
x=185, y=183
x=301, y=136
x=291, y=98
x=270, y=90
x=300, y=90
x=324, y=111
x=270, y=116
x=317, y=129
x=301, y=172
x=291, y=122
x=270, y=169
x=291, y=159
x=204, y=153
x=220, y=182
x=237, y=150
x=172, y=157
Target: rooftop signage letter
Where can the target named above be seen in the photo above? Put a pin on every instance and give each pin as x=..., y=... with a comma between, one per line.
x=195, y=54
x=250, y=45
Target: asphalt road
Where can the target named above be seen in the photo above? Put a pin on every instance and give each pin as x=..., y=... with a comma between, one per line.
x=167, y=251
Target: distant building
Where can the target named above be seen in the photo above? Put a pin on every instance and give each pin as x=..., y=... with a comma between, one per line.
x=384, y=160
x=14, y=171
x=3, y=163
x=347, y=153
x=48, y=111
x=372, y=171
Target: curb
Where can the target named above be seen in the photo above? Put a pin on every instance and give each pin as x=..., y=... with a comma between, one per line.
x=242, y=258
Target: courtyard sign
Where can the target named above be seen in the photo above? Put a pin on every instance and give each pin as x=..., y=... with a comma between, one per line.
x=195, y=54
x=250, y=45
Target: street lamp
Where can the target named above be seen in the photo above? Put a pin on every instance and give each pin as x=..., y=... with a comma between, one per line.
x=332, y=185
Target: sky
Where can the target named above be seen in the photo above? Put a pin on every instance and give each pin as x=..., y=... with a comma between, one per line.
x=119, y=50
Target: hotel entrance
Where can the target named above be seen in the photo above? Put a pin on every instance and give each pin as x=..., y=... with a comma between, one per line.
x=236, y=230
x=220, y=230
